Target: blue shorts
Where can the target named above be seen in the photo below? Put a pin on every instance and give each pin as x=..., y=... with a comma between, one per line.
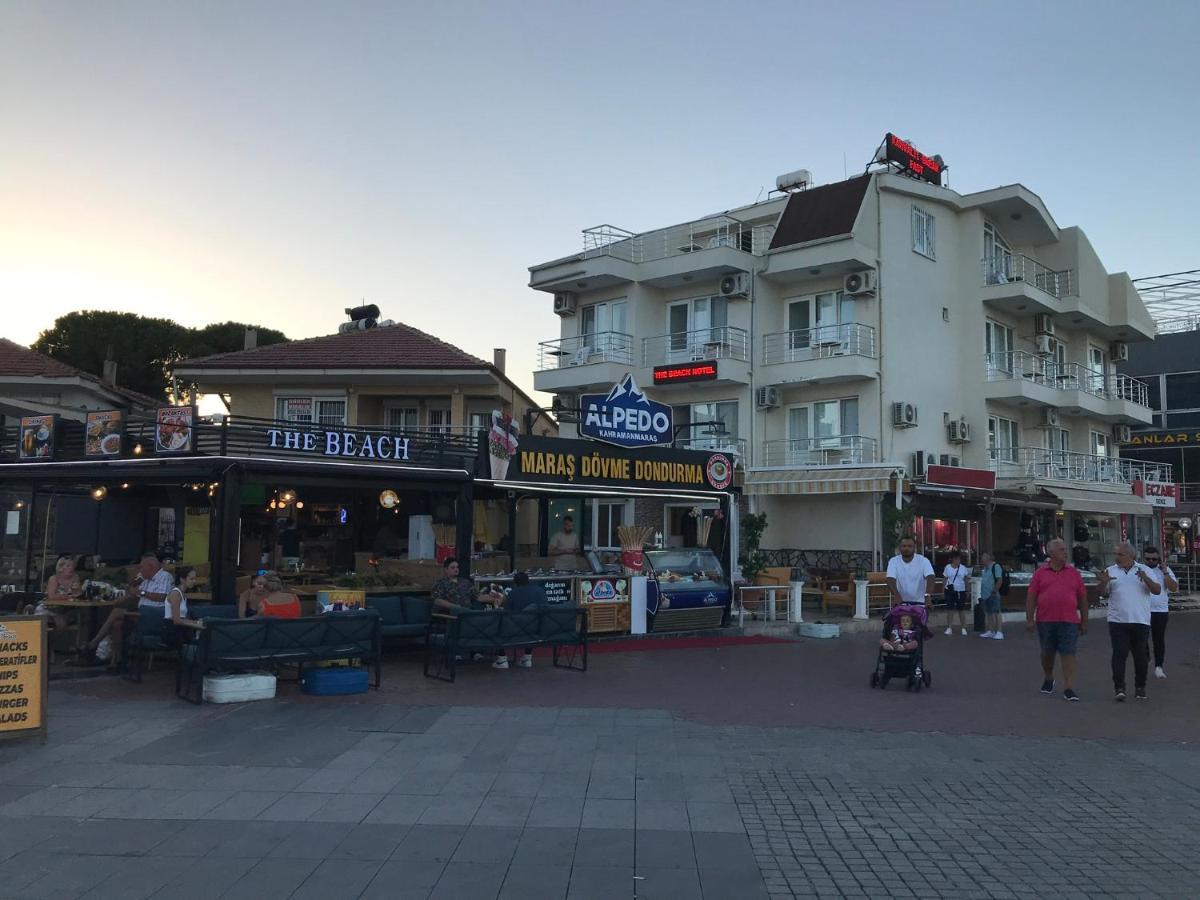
x=1058, y=637
x=991, y=605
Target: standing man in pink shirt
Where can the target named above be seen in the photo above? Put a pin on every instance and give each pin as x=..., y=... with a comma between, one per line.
x=1057, y=603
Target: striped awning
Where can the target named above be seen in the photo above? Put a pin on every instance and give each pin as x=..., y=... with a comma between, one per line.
x=819, y=481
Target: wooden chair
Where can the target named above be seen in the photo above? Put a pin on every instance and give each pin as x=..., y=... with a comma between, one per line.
x=780, y=576
x=879, y=595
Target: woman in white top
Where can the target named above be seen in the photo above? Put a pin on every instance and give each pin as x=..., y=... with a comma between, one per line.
x=956, y=593
x=176, y=601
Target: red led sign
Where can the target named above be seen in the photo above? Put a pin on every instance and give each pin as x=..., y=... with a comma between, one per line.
x=701, y=371
x=912, y=160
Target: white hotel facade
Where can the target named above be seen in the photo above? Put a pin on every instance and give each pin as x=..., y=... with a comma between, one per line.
x=860, y=331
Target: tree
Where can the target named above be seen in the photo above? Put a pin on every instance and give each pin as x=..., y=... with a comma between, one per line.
x=145, y=348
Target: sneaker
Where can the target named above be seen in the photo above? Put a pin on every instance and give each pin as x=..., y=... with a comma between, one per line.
x=1069, y=694
x=987, y=634
x=1120, y=695
x=998, y=636
x=1159, y=672
x=476, y=657
x=526, y=661
x=948, y=630
x=1140, y=694
x=1048, y=686
x=964, y=632
x=500, y=662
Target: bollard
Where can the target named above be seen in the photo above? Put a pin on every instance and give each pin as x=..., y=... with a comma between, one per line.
x=795, y=612
x=860, y=599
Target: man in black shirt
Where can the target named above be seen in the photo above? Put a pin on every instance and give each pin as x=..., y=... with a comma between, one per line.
x=523, y=595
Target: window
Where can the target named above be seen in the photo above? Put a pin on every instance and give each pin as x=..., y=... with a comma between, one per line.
x=722, y=414
x=1183, y=390
x=818, y=320
x=602, y=330
x=601, y=519
x=439, y=420
x=480, y=421
x=694, y=323
x=826, y=419
x=1002, y=439
x=1101, y=443
x=997, y=256
x=998, y=345
x=321, y=411
x=402, y=418
x=1058, y=439
x=924, y=232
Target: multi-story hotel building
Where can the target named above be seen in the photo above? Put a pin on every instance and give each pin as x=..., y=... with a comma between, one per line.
x=851, y=335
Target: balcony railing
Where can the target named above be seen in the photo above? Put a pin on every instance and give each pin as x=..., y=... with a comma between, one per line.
x=840, y=450
x=824, y=342
x=724, y=342
x=731, y=446
x=703, y=234
x=603, y=346
x=1007, y=269
x=1066, y=465
x=1045, y=370
x=1189, y=492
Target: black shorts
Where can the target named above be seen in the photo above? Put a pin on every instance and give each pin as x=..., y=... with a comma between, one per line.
x=956, y=599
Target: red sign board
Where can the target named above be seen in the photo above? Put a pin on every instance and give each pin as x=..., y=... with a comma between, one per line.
x=685, y=372
x=912, y=160
x=957, y=476
x=1159, y=493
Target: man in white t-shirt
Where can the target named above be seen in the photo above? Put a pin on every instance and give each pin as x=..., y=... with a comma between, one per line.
x=1158, y=606
x=910, y=575
x=1129, y=587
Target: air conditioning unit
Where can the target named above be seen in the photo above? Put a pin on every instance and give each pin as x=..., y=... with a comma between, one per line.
x=953, y=462
x=858, y=284
x=904, y=415
x=1043, y=343
x=736, y=286
x=767, y=397
x=565, y=303
x=1043, y=324
x=958, y=431
x=1049, y=417
x=1119, y=351
x=1122, y=434
x=921, y=461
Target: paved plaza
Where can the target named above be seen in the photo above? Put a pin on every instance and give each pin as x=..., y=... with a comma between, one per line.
x=719, y=772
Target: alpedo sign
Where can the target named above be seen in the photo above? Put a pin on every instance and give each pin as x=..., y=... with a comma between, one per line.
x=625, y=417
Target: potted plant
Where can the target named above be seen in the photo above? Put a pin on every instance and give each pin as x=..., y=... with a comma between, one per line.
x=753, y=561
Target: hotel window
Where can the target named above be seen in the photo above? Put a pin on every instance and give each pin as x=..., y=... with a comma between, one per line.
x=818, y=320
x=480, y=421
x=439, y=420
x=998, y=346
x=924, y=232
x=695, y=325
x=320, y=410
x=1101, y=444
x=402, y=418
x=997, y=257
x=602, y=330
x=1003, y=439
x=720, y=416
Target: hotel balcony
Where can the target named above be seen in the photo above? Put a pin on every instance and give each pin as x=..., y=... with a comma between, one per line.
x=1039, y=464
x=733, y=447
x=1028, y=379
x=695, y=251
x=822, y=355
x=839, y=450
x=597, y=360
x=729, y=347
x=1019, y=283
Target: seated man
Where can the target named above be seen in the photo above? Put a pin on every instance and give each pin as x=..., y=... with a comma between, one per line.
x=149, y=588
x=523, y=595
x=452, y=594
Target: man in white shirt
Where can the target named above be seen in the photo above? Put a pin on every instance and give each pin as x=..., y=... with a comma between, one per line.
x=1158, y=606
x=1129, y=587
x=910, y=575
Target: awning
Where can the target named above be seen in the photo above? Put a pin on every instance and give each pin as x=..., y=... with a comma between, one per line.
x=819, y=481
x=1075, y=500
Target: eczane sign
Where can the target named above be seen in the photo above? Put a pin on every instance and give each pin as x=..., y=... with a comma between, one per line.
x=1158, y=493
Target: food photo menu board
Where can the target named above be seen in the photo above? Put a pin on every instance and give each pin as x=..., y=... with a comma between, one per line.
x=37, y=437
x=105, y=433
x=175, y=429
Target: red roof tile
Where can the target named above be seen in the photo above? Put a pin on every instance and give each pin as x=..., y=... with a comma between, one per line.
x=396, y=346
x=21, y=362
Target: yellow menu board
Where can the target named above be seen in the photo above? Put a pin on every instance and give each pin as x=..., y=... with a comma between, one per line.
x=23, y=674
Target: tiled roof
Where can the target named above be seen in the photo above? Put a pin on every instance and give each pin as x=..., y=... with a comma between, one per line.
x=396, y=346
x=820, y=212
x=21, y=362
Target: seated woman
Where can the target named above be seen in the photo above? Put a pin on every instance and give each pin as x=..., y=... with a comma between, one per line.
x=62, y=585
x=278, y=602
x=250, y=599
x=176, y=608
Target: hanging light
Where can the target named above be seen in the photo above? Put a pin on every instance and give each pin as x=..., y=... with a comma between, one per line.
x=299, y=504
x=20, y=504
x=287, y=496
x=137, y=449
x=389, y=499
x=99, y=492
x=273, y=504
x=124, y=485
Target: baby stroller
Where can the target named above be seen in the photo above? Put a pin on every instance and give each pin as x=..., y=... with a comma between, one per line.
x=906, y=664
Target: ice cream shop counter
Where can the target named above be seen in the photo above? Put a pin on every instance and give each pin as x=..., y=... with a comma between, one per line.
x=688, y=589
x=606, y=597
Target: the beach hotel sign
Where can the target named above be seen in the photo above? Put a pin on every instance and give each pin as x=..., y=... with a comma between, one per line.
x=625, y=417
x=345, y=444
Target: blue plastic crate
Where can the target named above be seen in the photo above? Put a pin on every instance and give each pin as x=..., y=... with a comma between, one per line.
x=334, y=682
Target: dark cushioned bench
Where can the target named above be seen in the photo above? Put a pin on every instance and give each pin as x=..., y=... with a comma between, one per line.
x=229, y=645
x=402, y=615
x=483, y=631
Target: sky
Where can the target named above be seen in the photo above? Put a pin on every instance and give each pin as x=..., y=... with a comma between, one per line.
x=278, y=162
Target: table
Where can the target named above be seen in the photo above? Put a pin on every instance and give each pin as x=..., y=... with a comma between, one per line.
x=82, y=606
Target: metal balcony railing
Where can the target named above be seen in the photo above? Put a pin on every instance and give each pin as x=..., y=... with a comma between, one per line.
x=824, y=342
x=1005, y=269
x=1189, y=492
x=731, y=446
x=723, y=342
x=691, y=237
x=602, y=346
x=838, y=450
x=1045, y=370
x=1066, y=465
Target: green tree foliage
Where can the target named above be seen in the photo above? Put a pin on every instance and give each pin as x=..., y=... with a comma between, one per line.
x=753, y=560
x=144, y=348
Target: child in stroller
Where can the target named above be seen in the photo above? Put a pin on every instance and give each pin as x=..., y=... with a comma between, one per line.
x=902, y=648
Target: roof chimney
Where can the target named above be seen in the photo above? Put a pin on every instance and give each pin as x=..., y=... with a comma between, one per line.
x=250, y=341
x=498, y=358
x=108, y=373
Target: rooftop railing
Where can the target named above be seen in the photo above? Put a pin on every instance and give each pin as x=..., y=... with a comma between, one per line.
x=691, y=237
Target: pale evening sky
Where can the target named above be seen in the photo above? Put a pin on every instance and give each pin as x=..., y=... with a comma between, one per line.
x=278, y=162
